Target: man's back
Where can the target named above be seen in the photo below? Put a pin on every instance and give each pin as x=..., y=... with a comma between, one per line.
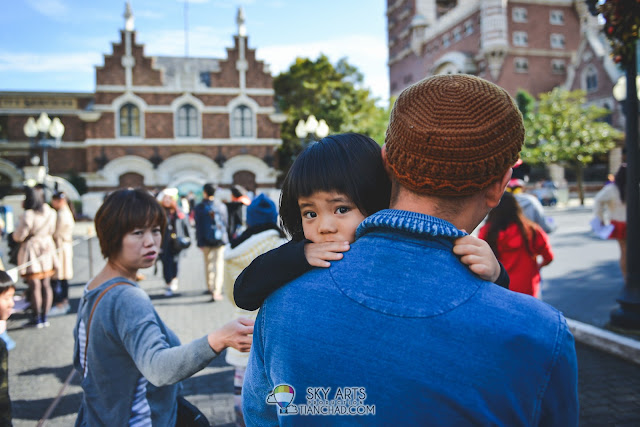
x=402, y=321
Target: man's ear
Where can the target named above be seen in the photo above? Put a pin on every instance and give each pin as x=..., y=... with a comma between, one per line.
x=384, y=160
x=494, y=192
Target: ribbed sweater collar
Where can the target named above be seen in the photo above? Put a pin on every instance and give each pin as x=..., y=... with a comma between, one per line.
x=409, y=222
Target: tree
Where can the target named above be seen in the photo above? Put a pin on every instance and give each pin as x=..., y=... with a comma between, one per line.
x=563, y=130
x=526, y=102
x=332, y=93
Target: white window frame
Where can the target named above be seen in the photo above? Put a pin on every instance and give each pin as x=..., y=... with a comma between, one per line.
x=521, y=65
x=519, y=14
x=520, y=39
x=243, y=110
x=446, y=40
x=557, y=41
x=590, y=73
x=468, y=28
x=558, y=66
x=556, y=17
x=457, y=34
x=188, y=108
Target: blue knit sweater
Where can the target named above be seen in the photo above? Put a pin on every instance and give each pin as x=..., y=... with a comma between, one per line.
x=405, y=325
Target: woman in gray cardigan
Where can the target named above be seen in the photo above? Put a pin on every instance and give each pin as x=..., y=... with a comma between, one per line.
x=130, y=361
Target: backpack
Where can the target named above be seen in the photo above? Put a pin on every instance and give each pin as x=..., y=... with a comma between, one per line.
x=213, y=227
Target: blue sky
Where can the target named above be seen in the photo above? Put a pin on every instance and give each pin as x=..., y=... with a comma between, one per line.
x=53, y=45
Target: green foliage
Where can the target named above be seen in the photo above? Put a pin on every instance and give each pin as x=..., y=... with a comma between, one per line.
x=332, y=93
x=563, y=130
x=526, y=102
x=77, y=181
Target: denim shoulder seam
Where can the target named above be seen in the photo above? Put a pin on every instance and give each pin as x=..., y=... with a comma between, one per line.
x=471, y=296
x=554, y=360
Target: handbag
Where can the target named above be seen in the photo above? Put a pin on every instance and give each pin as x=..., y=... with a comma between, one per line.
x=14, y=247
x=189, y=415
x=179, y=243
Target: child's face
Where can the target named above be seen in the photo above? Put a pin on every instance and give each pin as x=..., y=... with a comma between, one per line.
x=329, y=217
x=6, y=303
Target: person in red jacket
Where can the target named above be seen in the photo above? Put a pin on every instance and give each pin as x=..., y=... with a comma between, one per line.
x=519, y=244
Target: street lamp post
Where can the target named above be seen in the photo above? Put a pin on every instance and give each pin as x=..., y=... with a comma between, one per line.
x=38, y=132
x=627, y=316
x=311, y=129
x=621, y=28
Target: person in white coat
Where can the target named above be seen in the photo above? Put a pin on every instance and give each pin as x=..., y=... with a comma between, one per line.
x=610, y=207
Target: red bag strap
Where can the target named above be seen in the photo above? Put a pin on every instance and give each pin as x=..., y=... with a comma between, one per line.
x=93, y=309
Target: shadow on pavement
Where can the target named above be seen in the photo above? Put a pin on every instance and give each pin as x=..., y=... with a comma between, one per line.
x=587, y=295
x=60, y=372
x=35, y=409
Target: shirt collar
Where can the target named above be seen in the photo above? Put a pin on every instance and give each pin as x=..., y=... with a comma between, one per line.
x=411, y=222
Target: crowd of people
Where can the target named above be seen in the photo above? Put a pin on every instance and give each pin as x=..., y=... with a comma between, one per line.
x=365, y=275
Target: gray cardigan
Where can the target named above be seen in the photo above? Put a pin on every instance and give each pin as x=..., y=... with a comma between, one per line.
x=128, y=339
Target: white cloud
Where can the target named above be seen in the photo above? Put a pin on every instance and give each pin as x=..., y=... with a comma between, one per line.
x=50, y=8
x=203, y=41
x=148, y=14
x=368, y=53
x=35, y=63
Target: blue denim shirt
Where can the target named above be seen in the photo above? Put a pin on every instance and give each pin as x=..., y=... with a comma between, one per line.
x=409, y=329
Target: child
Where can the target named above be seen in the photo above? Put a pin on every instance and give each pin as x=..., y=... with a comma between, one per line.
x=517, y=242
x=7, y=291
x=331, y=187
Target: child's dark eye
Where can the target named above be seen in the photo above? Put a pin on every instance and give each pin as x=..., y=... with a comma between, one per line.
x=157, y=230
x=309, y=215
x=343, y=209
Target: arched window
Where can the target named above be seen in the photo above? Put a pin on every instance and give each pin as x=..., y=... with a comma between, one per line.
x=591, y=79
x=187, y=121
x=242, y=122
x=129, y=120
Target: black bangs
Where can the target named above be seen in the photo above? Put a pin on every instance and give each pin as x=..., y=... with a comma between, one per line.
x=124, y=211
x=350, y=164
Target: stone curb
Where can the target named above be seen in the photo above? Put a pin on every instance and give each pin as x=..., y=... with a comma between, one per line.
x=610, y=342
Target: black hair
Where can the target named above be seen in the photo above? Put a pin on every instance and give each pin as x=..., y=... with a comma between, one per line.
x=6, y=282
x=209, y=189
x=123, y=211
x=348, y=163
x=34, y=198
x=621, y=181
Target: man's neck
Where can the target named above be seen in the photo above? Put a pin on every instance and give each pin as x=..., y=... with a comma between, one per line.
x=466, y=216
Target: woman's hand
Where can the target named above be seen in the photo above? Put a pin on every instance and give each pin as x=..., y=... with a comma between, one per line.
x=236, y=334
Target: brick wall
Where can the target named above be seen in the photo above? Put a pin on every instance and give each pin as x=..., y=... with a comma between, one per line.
x=266, y=128
x=143, y=72
x=158, y=125
x=104, y=127
x=256, y=77
x=215, y=126
x=228, y=75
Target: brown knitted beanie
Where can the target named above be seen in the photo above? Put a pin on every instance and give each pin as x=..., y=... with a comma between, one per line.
x=453, y=135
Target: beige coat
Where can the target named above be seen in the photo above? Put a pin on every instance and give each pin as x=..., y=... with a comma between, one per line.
x=63, y=238
x=35, y=232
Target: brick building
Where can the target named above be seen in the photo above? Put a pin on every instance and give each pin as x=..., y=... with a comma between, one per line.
x=155, y=121
x=533, y=45
x=517, y=44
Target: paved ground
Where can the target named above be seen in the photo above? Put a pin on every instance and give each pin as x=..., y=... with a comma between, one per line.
x=581, y=282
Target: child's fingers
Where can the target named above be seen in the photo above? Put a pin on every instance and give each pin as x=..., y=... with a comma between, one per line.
x=334, y=246
x=317, y=262
x=466, y=249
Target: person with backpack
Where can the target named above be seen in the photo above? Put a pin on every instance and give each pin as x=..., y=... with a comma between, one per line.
x=211, y=219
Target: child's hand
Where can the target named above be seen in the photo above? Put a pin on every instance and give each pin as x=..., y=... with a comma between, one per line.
x=318, y=254
x=477, y=254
